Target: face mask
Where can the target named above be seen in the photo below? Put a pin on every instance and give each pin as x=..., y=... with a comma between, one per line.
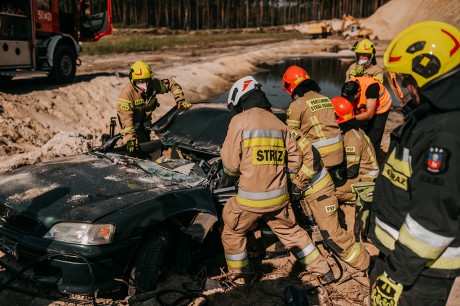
x=362, y=61
x=142, y=86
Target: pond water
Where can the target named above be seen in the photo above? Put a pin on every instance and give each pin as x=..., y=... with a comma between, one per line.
x=329, y=73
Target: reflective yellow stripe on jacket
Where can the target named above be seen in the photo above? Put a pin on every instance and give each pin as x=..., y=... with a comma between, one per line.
x=421, y=241
x=328, y=145
x=262, y=199
x=268, y=148
x=321, y=180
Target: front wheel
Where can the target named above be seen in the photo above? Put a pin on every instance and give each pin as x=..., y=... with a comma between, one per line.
x=64, y=65
x=150, y=262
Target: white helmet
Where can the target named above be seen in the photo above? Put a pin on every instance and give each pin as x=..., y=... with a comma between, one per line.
x=241, y=87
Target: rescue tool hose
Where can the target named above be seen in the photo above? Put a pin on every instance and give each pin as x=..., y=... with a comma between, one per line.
x=21, y=272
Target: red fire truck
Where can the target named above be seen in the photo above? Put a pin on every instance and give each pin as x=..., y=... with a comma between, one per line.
x=44, y=36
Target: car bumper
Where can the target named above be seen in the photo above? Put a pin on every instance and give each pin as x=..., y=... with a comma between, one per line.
x=66, y=267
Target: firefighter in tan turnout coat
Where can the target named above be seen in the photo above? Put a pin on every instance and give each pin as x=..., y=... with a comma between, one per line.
x=361, y=161
x=259, y=150
x=312, y=115
x=138, y=100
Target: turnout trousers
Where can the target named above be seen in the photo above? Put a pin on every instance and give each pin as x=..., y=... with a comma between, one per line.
x=324, y=205
x=238, y=221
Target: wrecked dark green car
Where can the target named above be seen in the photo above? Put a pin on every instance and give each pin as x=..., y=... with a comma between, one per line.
x=99, y=221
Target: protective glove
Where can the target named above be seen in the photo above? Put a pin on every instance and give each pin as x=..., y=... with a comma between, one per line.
x=183, y=104
x=132, y=146
x=296, y=193
x=385, y=291
x=358, y=71
x=364, y=195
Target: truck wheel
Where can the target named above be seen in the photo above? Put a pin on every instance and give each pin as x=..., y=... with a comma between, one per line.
x=64, y=65
x=150, y=262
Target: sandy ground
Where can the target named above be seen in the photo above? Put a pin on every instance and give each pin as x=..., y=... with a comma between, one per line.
x=39, y=122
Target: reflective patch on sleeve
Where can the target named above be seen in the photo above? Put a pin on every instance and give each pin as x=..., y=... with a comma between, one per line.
x=268, y=156
x=350, y=150
x=319, y=104
x=352, y=158
x=295, y=135
x=230, y=171
x=138, y=102
x=293, y=123
x=123, y=107
x=398, y=171
x=303, y=142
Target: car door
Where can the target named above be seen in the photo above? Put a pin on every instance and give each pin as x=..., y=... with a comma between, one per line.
x=95, y=19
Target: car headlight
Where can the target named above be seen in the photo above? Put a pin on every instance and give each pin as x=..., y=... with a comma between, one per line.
x=81, y=233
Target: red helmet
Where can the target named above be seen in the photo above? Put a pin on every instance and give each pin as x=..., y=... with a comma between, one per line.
x=293, y=76
x=343, y=109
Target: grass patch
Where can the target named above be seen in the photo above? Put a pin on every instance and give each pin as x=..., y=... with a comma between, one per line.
x=137, y=42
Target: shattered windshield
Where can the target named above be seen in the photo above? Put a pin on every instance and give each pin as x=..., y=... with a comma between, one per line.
x=180, y=171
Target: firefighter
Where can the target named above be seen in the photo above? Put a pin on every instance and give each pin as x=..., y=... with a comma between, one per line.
x=372, y=103
x=416, y=205
x=313, y=115
x=355, y=191
x=260, y=152
x=315, y=188
x=365, y=63
x=361, y=162
x=138, y=100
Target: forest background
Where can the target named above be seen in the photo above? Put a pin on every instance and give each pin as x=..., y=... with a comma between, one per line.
x=220, y=14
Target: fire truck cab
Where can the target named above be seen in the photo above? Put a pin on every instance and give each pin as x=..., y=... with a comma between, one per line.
x=44, y=36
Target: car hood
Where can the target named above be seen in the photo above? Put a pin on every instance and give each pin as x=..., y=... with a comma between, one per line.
x=87, y=187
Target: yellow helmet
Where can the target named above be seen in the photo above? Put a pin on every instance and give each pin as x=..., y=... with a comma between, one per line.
x=425, y=50
x=364, y=46
x=139, y=71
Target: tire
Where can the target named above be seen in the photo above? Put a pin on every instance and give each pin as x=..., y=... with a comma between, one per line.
x=64, y=65
x=150, y=262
